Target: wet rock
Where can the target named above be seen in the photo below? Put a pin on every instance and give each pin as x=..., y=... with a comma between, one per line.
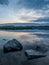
x=11, y=46
x=4, y=39
x=41, y=48
x=31, y=54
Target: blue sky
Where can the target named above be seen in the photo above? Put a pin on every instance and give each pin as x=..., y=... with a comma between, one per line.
x=24, y=11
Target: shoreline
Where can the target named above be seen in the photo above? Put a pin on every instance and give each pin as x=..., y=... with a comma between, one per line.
x=24, y=27
x=35, y=30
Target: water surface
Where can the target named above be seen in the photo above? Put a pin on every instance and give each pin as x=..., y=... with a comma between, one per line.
x=27, y=39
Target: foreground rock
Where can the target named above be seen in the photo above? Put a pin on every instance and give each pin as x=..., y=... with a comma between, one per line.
x=31, y=54
x=12, y=45
x=40, y=47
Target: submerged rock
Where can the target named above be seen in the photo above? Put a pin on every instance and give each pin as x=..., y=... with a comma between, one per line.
x=4, y=39
x=31, y=54
x=41, y=48
x=11, y=46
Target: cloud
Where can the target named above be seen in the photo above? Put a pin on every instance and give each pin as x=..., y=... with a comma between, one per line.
x=44, y=19
x=4, y=2
x=24, y=10
x=34, y=4
x=30, y=15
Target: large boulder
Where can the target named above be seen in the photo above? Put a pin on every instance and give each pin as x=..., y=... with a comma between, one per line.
x=31, y=54
x=11, y=46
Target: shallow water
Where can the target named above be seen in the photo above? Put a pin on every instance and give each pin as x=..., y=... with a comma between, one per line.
x=27, y=39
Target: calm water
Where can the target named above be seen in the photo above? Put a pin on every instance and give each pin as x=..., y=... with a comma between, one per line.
x=27, y=39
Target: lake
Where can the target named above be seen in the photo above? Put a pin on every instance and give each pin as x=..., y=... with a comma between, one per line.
x=27, y=39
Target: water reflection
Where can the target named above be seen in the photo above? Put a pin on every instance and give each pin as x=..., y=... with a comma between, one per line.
x=27, y=39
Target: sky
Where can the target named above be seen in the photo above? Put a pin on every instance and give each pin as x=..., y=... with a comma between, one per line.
x=24, y=11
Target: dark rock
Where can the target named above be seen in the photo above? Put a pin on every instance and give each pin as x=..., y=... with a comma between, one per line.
x=41, y=48
x=11, y=46
x=31, y=54
x=4, y=39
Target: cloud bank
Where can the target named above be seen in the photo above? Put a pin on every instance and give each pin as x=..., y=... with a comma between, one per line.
x=24, y=11
x=4, y=2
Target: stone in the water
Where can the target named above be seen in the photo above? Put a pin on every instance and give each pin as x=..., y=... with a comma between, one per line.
x=4, y=39
x=12, y=45
x=41, y=48
x=31, y=54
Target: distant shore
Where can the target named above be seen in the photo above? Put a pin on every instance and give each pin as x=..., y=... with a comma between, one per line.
x=24, y=27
